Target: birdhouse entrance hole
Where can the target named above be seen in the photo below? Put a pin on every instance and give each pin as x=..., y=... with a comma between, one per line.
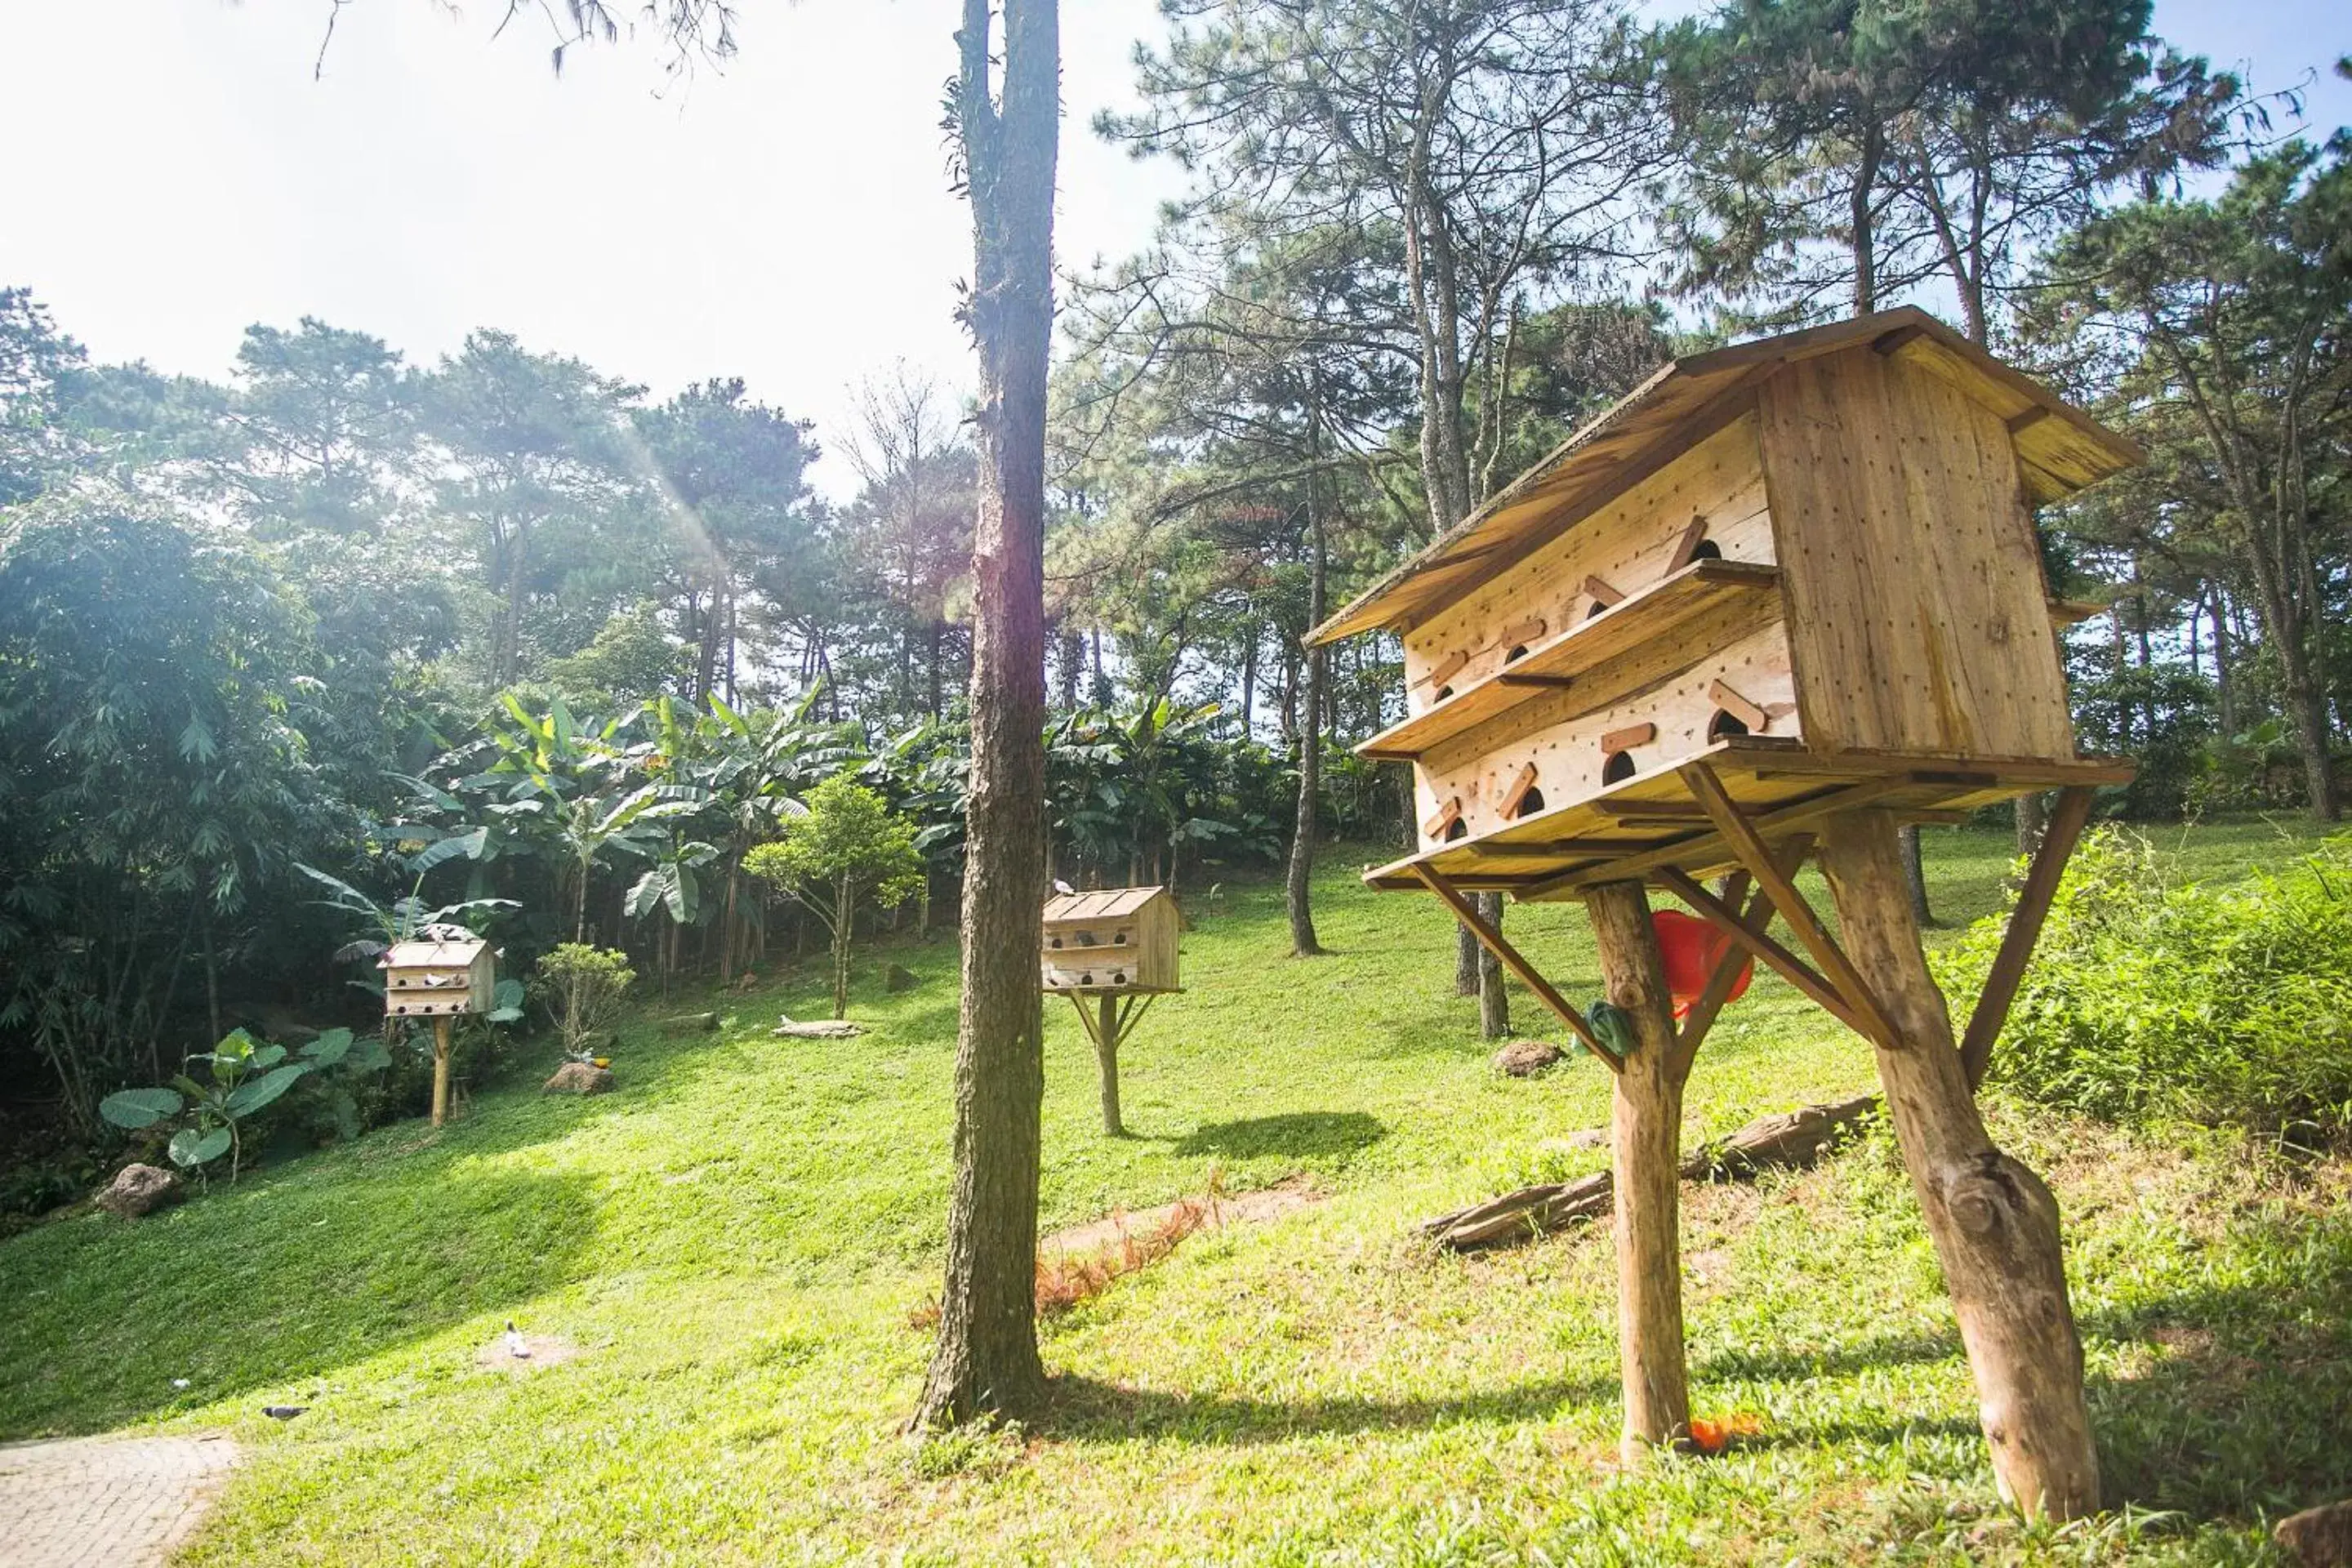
x=1721, y=725
x=1615, y=766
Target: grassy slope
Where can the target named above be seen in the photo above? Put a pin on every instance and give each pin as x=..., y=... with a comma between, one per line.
x=738, y=1237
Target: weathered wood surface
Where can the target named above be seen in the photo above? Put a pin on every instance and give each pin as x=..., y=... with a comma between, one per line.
x=1917, y=606
x=1993, y=1222
x=1645, y=1137
x=1783, y=1140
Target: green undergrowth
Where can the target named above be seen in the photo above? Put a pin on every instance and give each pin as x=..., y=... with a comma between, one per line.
x=736, y=1239
x=2156, y=997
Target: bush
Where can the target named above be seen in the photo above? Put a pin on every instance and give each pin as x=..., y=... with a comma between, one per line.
x=2151, y=998
x=582, y=986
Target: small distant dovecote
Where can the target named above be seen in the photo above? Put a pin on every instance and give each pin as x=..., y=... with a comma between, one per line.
x=447, y=970
x=1113, y=940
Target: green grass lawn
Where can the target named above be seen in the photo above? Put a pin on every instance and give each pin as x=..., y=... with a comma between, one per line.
x=736, y=1241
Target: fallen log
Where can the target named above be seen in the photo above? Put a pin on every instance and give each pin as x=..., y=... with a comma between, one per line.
x=1788, y=1138
x=690, y=1024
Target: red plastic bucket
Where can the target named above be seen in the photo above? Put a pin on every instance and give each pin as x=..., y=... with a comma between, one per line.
x=1691, y=948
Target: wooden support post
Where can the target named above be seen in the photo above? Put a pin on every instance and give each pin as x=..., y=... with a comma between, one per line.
x=2008, y=970
x=1511, y=960
x=1645, y=1139
x=1993, y=1223
x=440, y=1069
x=1106, y=1058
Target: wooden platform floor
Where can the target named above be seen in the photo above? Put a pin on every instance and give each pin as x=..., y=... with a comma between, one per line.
x=1653, y=822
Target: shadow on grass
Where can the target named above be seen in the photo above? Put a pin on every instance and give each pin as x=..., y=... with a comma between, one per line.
x=1303, y=1134
x=1796, y=1366
x=268, y=1284
x=2242, y=1404
x=1084, y=1410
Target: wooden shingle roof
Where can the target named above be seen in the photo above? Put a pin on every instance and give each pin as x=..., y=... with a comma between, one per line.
x=1107, y=904
x=2060, y=450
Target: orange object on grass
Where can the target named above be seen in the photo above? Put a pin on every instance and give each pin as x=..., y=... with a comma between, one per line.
x=1714, y=1436
x=1691, y=948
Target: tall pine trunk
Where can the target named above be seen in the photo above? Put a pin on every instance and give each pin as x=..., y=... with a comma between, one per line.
x=1297, y=885
x=986, y=1357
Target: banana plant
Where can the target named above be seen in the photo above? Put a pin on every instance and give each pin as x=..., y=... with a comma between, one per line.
x=245, y=1075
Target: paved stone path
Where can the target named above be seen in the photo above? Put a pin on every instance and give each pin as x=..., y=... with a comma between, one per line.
x=105, y=1502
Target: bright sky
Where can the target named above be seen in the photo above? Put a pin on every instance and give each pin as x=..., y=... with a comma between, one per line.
x=177, y=173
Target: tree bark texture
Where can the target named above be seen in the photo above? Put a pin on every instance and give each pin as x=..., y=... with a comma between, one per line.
x=986, y=1358
x=1106, y=1061
x=1993, y=1222
x=1645, y=1136
x=1298, y=882
x=1493, y=1002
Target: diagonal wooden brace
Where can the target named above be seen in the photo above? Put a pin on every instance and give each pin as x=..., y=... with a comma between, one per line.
x=2008, y=970
x=1757, y=919
x=1747, y=933
x=1511, y=959
x=1866, y=1016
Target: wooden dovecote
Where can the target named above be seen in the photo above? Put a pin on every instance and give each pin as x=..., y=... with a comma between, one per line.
x=445, y=972
x=1810, y=560
x=448, y=970
x=1111, y=951
x=1114, y=940
x=1790, y=595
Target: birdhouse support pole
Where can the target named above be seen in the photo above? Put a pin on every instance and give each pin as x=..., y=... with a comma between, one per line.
x=1645, y=1139
x=1993, y=1222
x=1106, y=1058
x=440, y=1069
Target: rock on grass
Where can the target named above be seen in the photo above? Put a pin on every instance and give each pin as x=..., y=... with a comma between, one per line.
x=139, y=1190
x=579, y=1077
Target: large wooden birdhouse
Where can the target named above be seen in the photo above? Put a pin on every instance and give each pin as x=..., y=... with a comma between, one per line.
x=1114, y=940
x=1781, y=599
x=1810, y=560
x=447, y=970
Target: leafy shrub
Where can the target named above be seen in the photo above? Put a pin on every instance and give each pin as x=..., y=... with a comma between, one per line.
x=582, y=986
x=2152, y=998
x=244, y=1077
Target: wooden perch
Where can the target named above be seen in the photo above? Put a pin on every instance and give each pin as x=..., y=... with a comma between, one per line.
x=1446, y=668
x=1792, y=1139
x=1600, y=589
x=1447, y=815
x=1631, y=735
x=1738, y=706
x=1525, y=781
x=1688, y=542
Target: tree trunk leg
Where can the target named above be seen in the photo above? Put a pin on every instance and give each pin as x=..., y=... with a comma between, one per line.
x=1645, y=1137
x=1106, y=1058
x=1493, y=1002
x=440, y=1070
x=1994, y=1224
